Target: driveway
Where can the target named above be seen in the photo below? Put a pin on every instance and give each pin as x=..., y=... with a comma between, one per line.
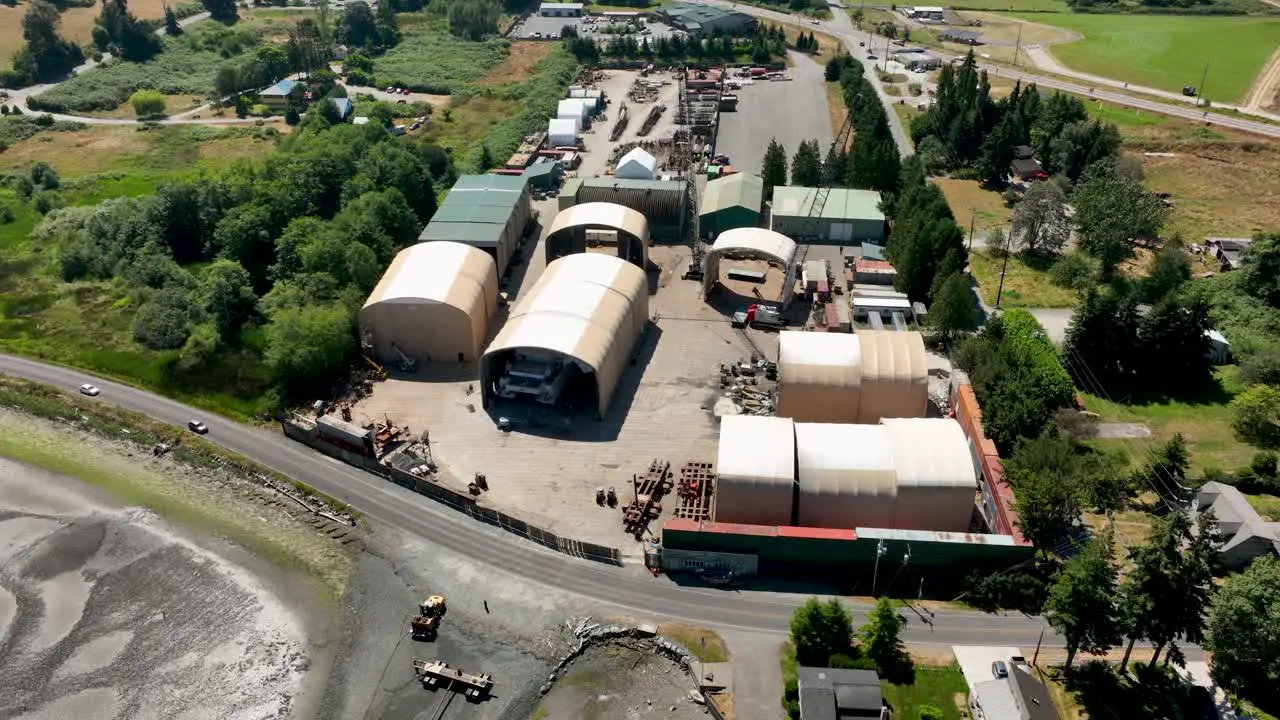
x=975, y=661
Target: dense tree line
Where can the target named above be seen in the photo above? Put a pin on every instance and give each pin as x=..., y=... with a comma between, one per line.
x=874, y=163
x=221, y=10
x=965, y=128
x=286, y=248
x=118, y=32
x=360, y=27
x=768, y=43
x=45, y=54
x=1017, y=378
x=473, y=19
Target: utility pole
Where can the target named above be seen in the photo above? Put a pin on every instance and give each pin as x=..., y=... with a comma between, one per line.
x=1036, y=656
x=1017, y=46
x=973, y=216
x=880, y=550
x=1003, y=269
x=1200, y=90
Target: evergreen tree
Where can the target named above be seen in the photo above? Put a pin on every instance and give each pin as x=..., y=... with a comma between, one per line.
x=806, y=166
x=221, y=10
x=485, y=160
x=1174, y=346
x=881, y=639
x=820, y=630
x=774, y=167
x=996, y=155
x=1101, y=347
x=171, y=26
x=954, y=309
x=1081, y=605
x=833, y=166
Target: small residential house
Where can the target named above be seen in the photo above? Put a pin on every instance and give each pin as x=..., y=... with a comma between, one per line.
x=276, y=97
x=1027, y=169
x=345, y=108
x=1016, y=697
x=831, y=694
x=636, y=165
x=1229, y=252
x=1245, y=534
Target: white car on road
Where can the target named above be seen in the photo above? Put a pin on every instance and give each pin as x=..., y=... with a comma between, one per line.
x=90, y=390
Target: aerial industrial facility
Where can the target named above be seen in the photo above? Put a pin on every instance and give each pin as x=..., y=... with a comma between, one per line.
x=615, y=337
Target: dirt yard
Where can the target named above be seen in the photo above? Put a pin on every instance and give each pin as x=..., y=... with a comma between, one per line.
x=519, y=63
x=611, y=681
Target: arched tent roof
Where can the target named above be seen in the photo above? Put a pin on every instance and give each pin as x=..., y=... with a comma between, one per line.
x=935, y=488
x=623, y=219
x=847, y=475
x=456, y=284
x=819, y=376
x=588, y=307
x=895, y=375
x=755, y=470
x=859, y=378
x=758, y=242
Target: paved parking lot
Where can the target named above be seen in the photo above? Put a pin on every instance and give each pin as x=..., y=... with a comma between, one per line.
x=790, y=111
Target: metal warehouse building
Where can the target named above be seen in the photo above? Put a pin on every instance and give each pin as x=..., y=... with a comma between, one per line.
x=488, y=212
x=859, y=378
x=434, y=302
x=707, y=19
x=848, y=216
x=665, y=203
x=903, y=474
x=571, y=335
x=729, y=202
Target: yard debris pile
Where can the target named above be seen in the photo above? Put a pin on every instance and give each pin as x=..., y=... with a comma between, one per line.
x=748, y=387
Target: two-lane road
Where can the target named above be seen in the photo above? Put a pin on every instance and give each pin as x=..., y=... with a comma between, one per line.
x=628, y=587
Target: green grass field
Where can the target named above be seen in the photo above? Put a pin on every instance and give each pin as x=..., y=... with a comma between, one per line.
x=1169, y=51
x=936, y=686
x=1010, y=5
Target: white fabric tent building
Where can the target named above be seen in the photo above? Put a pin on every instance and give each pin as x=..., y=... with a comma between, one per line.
x=434, y=302
x=586, y=311
x=573, y=109
x=767, y=245
x=756, y=470
x=562, y=132
x=636, y=165
x=903, y=474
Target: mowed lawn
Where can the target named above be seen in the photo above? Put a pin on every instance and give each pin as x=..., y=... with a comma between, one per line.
x=941, y=687
x=1169, y=51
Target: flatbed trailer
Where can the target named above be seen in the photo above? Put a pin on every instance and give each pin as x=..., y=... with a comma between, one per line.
x=438, y=674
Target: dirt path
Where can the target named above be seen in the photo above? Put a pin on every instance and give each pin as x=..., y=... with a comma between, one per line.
x=1265, y=93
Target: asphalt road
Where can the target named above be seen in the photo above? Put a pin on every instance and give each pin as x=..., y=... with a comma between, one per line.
x=628, y=587
x=840, y=26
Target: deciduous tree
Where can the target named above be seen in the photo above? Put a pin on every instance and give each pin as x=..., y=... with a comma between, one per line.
x=1242, y=636
x=881, y=638
x=226, y=295
x=1261, y=270
x=820, y=630
x=221, y=10
x=1255, y=415
x=1110, y=211
x=1040, y=221
x=147, y=103
x=46, y=54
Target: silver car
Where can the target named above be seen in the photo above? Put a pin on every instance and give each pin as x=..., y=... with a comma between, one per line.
x=90, y=390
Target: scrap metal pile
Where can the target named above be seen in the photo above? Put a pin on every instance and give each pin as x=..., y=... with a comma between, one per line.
x=748, y=387
x=646, y=502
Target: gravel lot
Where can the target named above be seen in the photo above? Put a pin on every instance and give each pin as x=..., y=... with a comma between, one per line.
x=611, y=681
x=109, y=612
x=791, y=111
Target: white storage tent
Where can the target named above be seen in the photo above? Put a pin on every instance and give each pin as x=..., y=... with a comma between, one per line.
x=755, y=470
x=562, y=132
x=573, y=109
x=767, y=245
x=935, y=486
x=847, y=476
x=859, y=378
x=638, y=164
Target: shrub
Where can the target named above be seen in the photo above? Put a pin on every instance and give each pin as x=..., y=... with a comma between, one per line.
x=161, y=323
x=1073, y=270
x=147, y=103
x=48, y=201
x=930, y=712
x=1256, y=415
x=1261, y=367
x=6, y=214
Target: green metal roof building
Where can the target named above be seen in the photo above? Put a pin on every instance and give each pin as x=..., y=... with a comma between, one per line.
x=488, y=212
x=733, y=201
x=662, y=202
x=847, y=217
x=707, y=19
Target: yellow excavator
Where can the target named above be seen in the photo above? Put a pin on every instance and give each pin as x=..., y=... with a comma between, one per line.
x=427, y=622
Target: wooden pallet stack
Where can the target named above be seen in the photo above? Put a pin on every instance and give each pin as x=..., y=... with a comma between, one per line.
x=697, y=487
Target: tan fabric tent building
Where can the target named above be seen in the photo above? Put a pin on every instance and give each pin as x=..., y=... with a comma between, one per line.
x=903, y=474
x=588, y=308
x=568, y=233
x=847, y=476
x=859, y=378
x=753, y=242
x=936, y=475
x=434, y=303
x=756, y=470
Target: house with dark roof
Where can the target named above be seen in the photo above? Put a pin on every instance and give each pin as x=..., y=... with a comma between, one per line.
x=832, y=694
x=1027, y=169
x=1245, y=534
x=1228, y=251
